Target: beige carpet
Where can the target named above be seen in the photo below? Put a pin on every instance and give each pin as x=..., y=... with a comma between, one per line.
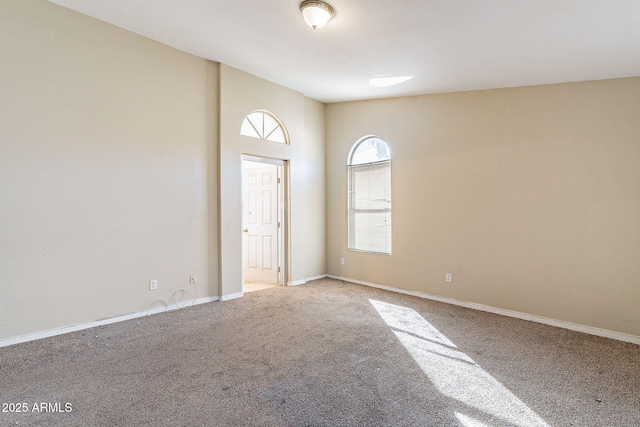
x=327, y=353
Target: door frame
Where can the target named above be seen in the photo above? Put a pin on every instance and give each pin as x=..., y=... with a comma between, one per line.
x=283, y=212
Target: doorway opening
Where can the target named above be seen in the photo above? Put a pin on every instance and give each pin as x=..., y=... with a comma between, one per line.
x=264, y=223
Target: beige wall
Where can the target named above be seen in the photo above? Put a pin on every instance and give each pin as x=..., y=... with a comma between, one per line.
x=108, y=170
x=530, y=197
x=241, y=93
x=315, y=193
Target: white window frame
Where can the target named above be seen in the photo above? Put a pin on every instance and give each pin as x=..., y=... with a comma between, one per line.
x=255, y=125
x=365, y=237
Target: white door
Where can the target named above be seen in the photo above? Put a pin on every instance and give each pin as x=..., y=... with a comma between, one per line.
x=260, y=218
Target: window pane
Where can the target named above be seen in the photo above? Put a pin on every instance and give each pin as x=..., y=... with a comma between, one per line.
x=248, y=130
x=370, y=208
x=277, y=135
x=257, y=120
x=370, y=150
x=269, y=125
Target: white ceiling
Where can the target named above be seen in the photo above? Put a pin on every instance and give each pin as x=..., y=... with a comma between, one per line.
x=447, y=45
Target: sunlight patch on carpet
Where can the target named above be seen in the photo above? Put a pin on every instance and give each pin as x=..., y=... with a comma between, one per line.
x=470, y=422
x=253, y=287
x=454, y=373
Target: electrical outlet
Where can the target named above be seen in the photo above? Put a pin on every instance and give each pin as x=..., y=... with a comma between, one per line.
x=341, y=261
x=449, y=278
x=153, y=284
x=192, y=279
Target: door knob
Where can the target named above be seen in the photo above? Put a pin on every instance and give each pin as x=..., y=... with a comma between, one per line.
x=246, y=230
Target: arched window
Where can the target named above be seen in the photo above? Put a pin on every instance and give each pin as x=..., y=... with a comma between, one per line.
x=264, y=125
x=369, y=193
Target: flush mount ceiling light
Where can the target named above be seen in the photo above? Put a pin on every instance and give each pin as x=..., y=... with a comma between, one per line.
x=388, y=81
x=316, y=13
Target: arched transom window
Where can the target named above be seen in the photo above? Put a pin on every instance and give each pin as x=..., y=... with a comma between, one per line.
x=264, y=125
x=369, y=193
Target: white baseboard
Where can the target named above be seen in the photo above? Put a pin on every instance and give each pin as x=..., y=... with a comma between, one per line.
x=308, y=279
x=297, y=283
x=504, y=312
x=66, y=329
x=231, y=296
